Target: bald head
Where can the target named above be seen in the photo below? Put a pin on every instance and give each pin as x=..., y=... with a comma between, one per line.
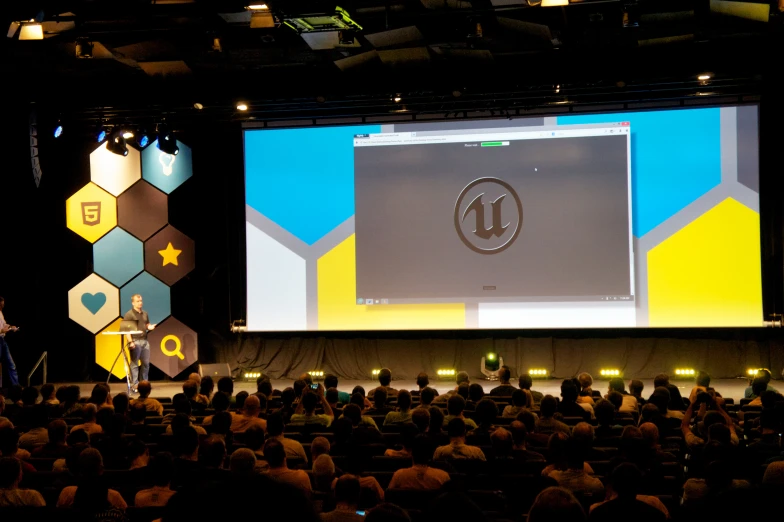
x=252, y=405
x=583, y=432
x=650, y=433
x=195, y=377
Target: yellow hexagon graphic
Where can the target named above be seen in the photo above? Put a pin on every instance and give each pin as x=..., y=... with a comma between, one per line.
x=708, y=273
x=115, y=173
x=107, y=348
x=337, y=301
x=91, y=212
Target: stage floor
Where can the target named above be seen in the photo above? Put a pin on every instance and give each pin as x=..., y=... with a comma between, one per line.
x=733, y=388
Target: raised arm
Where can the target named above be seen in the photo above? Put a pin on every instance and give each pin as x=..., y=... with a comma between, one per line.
x=324, y=403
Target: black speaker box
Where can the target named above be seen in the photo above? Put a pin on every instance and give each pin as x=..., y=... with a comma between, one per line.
x=216, y=371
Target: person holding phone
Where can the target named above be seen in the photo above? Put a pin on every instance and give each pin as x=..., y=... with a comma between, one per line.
x=305, y=413
x=5, y=353
x=347, y=493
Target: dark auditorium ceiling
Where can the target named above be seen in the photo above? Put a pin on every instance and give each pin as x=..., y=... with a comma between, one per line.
x=440, y=55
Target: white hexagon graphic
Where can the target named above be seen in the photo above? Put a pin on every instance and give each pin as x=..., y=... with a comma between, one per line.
x=94, y=303
x=115, y=173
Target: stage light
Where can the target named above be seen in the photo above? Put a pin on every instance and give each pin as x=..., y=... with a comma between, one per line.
x=31, y=31
x=397, y=99
x=610, y=372
x=538, y=373
x=242, y=106
x=491, y=357
x=142, y=138
x=167, y=143
x=554, y=3
x=752, y=372
x=375, y=372
x=252, y=375
x=316, y=374
x=116, y=143
x=58, y=130
x=100, y=134
x=704, y=77
x=685, y=372
x=445, y=373
x=256, y=7
x=755, y=11
x=198, y=106
x=127, y=134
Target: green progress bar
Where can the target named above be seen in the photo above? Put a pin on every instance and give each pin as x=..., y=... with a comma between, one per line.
x=493, y=144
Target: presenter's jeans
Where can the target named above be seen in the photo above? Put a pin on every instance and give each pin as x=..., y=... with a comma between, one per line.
x=140, y=352
x=8, y=363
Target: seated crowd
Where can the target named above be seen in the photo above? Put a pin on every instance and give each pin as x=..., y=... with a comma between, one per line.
x=312, y=452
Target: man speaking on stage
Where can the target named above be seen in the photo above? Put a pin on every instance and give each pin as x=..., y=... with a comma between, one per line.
x=138, y=347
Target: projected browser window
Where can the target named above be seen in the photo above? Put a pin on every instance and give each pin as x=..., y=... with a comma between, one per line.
x=602, y=220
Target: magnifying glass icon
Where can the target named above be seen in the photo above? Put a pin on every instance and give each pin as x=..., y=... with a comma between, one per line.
x=177, y=347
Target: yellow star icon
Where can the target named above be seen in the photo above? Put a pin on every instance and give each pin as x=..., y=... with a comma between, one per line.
x=169, y=255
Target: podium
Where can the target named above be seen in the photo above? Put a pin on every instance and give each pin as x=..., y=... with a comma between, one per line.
x=126, y=360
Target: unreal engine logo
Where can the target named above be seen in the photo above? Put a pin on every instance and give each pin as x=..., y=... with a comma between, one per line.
x=488, y=215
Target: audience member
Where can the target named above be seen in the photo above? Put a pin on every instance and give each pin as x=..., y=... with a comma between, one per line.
x=629, y=404
x=585, y=381
x=55, y=447
x=220, y=403
x=242, y=464
x=47, y=395
x=10, y=494
x=331, y=381
x=547, y=423
x=568, y=407
x=460, y=378
x=624, y=503
x=206, y=388
x=305, y=413
x=635, y=390
x=702, y=382
x=420, y=417
x=457, y=447
x=387, y=513
x=319, y=446
x=520, y=401
x=403, y=413
x=422, y=381
x=70, y=405
x=426, y=397
x=161, y=469
x=347, y=493
x=249, y=416
x=519, y=448
x=89, y=425
x=486, y=412
x=475, y=394
x=504, y=388
x=408, y=433
x=574, y=478
x=152, y=405
x=764, y=376
x=95, y=496
x=455, y=406
x=525, y=381
x=385, y=381
x=292, y=448
x=380, y=406
x=556, y=504
x=226, y=386
x=275, y=454
x=35, y=419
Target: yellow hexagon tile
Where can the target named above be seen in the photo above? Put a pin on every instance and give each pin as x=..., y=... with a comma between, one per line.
x=107, y=347
x=708, y=273
x=91, y=212
x=115, y=173
x=338, y=308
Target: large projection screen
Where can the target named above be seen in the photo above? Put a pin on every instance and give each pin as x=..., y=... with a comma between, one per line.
x=605, y=220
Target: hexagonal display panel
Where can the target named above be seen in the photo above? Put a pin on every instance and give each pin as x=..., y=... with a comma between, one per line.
x=118, y=256
x=166, y=171
x=142, y=210
x=113, y=172
x=91, y=212
x=156, y=297
x=169, y=255
x=107, y=348
x=173, y=347
x=93, y=303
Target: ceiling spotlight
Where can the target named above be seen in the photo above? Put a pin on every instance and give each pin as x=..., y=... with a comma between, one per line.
x=397, y=98
x=557, y=89
x=116, y=143
x=142, y=138
x=198, y=106
x=704, y=77
x=127, y=134
x=256, y=7
x=167, y=143
x=456, y=93
x=58, y=130
x=31, y=31
x=242, y=106
x=100, y=134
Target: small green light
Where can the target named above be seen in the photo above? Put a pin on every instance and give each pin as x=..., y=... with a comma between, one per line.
x=491, y=357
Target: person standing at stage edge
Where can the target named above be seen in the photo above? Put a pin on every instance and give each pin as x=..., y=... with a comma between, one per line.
x=5, y=353
x=138, y=346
